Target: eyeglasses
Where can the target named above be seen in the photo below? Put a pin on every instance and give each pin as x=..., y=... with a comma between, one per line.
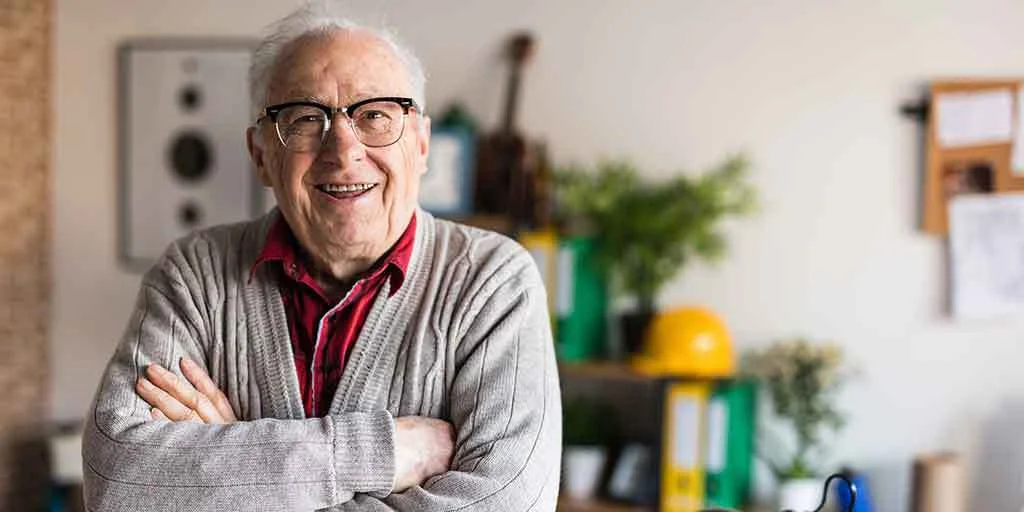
x=302, y=126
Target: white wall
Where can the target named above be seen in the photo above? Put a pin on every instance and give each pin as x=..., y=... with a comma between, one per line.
x=810, y=89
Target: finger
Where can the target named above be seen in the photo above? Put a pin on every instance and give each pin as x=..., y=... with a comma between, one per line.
x=158, y=415
x=184, y=393
x=205, y=385
x=167, y=404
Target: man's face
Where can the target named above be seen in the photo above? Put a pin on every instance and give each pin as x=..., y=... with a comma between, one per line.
x=336, y=71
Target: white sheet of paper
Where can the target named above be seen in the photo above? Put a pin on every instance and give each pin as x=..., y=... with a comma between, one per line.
x=986, y=236
x=975, y=118
x=1017, y=165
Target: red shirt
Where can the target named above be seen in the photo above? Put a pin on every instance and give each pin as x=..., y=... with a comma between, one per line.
x=322, y=333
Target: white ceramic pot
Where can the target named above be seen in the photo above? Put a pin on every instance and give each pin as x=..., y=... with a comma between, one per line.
x=800, y=495
x=581, y=470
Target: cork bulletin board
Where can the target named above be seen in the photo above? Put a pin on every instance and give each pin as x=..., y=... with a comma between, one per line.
x=965, y=166
x=25, y=135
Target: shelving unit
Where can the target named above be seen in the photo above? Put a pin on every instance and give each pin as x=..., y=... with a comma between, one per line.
x=626, y=383
x=629, y=393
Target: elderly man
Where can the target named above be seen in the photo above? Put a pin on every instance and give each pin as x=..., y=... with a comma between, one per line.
x=347, y=351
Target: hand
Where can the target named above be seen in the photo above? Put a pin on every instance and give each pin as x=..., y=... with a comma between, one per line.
x=423, y=448
x=176, y=400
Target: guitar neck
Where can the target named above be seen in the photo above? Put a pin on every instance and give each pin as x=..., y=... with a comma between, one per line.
x=508, y=117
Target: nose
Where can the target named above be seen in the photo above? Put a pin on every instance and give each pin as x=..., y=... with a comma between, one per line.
x=341, y=140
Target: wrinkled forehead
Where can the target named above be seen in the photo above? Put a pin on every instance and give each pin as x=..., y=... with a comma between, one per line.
x=338, y=68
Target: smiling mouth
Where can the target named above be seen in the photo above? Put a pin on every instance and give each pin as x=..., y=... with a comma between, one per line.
x=346, y=191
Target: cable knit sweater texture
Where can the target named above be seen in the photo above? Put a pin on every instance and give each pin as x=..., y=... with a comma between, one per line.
x=466, y=339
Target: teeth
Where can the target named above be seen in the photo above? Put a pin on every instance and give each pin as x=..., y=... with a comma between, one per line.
x=358, y=187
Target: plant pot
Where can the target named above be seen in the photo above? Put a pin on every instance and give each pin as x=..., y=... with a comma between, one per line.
x=634, y=328
x=800, y=495
x=582, y=467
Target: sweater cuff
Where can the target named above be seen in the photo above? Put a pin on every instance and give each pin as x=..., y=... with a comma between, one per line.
x=364, y=452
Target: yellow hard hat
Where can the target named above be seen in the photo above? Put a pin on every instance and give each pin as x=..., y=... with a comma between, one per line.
x=689, y=341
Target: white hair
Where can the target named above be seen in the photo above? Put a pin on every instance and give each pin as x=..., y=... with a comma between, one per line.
x=319, y=18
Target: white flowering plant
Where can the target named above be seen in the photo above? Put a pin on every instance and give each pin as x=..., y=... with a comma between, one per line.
x=801, y=379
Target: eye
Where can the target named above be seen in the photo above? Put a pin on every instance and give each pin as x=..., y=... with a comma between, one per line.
x=374, y=115
x=300, y=114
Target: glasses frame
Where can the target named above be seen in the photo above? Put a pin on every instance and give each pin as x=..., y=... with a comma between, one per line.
x=273, y=111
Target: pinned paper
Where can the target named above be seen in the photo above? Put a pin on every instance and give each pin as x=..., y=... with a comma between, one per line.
x=975, y=118
x=986, y=235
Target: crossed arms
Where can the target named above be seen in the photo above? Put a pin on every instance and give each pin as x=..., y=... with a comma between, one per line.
x=156, y=455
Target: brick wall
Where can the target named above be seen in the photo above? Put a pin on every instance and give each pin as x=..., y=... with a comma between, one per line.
x=25, y=114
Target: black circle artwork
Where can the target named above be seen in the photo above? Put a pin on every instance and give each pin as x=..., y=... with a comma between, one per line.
x=190, y=98
x=191, y=157
x=190, y=214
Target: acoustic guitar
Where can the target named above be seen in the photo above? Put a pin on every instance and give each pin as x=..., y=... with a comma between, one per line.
x=512, y=173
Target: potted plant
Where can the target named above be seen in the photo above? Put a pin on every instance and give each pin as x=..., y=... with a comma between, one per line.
x=801, y=380
x=587, y=432
x=645, y=232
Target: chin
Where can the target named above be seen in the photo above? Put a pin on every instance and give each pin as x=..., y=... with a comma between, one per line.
x=356, y=232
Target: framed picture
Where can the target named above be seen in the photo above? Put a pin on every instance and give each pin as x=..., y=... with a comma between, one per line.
x=446, y=188
x=635, y=475
x=183, y=164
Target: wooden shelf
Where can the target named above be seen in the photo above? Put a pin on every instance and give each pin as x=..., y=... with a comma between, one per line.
x=602, y=370
x=493, y=222
x=568, y=505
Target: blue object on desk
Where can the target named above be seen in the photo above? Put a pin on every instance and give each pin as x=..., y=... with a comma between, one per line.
x=864, y=502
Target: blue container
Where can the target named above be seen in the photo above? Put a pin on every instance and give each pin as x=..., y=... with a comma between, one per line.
x=864, y=501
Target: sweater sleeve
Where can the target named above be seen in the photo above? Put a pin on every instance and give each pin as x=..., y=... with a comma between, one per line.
x=506, y=408
x=134, y=463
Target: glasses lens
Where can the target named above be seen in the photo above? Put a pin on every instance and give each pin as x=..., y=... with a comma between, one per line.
x=301, y=127
x=379, y=123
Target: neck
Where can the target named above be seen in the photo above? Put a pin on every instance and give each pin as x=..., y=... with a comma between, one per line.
x=342, y=270
x=333, y=287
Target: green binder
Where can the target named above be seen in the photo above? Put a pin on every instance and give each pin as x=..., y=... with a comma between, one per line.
x=730, y=444
x=581, y=302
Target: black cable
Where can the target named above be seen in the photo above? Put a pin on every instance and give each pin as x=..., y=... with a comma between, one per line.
x=849, y=484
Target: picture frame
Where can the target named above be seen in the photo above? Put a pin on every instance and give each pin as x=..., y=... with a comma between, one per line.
x=182, y=162
x=634, y=475
x=446, y=189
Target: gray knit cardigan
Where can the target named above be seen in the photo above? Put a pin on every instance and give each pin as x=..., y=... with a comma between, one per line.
x=466, y=339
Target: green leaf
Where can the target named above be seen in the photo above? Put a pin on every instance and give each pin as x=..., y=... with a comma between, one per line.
x=647, y=232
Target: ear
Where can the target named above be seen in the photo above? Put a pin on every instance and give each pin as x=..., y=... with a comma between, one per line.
x=254, y=141
x=424, y=142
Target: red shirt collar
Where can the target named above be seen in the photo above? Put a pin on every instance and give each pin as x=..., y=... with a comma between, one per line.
x=282, y=246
